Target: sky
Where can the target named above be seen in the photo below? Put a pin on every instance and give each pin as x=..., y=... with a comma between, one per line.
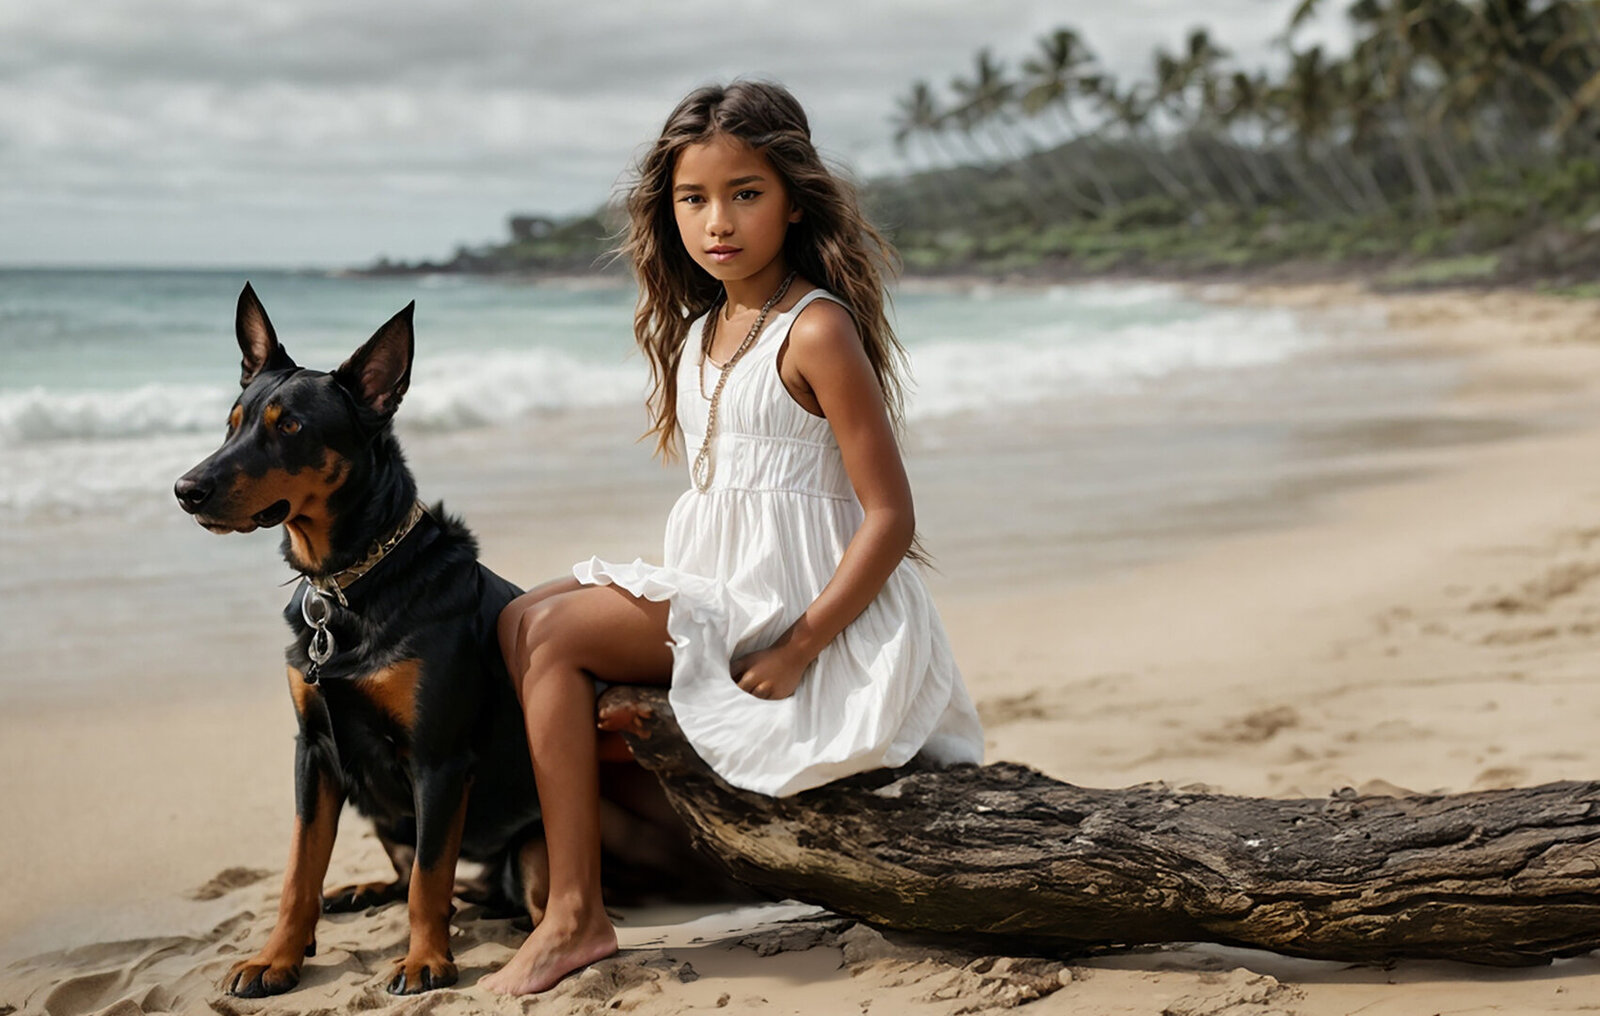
x=306, y=133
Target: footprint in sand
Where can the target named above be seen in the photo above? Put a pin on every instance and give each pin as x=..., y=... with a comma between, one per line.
x=1240, y=993
x=1500, y=778
x=1519, y=636
x=1256, y=727
x=999, y=711
x=227, y=880
x=1044, y=704
x=76, y=996
x=1557, y=583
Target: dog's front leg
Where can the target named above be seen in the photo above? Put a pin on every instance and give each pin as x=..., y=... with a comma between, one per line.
x=318, y=798
x=441, y=816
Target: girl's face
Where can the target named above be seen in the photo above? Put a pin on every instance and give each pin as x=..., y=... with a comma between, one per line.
x=732, y=209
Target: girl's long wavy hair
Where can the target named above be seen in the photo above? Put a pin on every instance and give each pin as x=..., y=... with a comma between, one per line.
x=832, y=246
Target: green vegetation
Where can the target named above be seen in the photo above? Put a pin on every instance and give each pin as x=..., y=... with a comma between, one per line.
x=573, y=246
x=1458, y=141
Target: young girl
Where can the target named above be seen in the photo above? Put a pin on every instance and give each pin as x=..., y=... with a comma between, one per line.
x=796, y=633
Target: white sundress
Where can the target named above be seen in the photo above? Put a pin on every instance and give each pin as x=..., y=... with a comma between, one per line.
x=746, y=557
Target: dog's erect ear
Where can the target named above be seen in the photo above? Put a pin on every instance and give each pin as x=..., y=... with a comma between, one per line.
x=379, y=373
x=257, y=341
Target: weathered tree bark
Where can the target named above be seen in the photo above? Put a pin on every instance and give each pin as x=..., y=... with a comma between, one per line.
x=1003, y=856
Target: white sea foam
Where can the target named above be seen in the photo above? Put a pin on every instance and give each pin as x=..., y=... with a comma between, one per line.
x=71, y=475
x=37, y=414
x=448, y=393
x=65, y=451
x=1115, y=294
x=458, y=392
x=1066, y=360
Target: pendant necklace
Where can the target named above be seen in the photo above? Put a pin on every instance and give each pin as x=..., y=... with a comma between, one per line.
x=700, y=473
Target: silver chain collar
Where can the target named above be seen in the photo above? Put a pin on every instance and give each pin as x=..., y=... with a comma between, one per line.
x=315, y=601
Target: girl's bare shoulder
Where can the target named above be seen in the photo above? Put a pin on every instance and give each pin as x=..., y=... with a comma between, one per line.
x=823, y=327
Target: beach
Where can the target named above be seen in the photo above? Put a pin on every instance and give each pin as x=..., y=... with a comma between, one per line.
x=1394, y=592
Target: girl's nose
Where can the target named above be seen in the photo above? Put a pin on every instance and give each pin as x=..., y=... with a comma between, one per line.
x=718, y=222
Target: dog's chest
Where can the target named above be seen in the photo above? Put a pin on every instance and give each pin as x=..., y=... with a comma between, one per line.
x=370, y=724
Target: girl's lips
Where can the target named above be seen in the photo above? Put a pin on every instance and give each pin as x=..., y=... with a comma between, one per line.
x=720, y=254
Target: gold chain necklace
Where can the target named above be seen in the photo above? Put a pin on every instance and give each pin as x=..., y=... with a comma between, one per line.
x=700, y=473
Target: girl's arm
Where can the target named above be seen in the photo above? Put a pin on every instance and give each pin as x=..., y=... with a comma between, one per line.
x=827, y=369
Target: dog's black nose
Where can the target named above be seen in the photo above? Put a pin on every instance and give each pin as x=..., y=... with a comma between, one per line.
x=191, y=493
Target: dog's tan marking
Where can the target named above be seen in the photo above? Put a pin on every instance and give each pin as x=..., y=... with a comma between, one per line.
x=235, y=418
x=337, y=472
x=394, y=690
x=278, y=962
x=310, y=524
x=300, y=691
x=429, y=911
x=270, y=415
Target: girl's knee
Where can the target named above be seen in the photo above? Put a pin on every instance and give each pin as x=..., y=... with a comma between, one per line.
x=526, y=626
x=507, y=626
x=526, y=612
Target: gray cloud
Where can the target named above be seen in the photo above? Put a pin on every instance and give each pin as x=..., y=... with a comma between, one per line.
x=293, y=131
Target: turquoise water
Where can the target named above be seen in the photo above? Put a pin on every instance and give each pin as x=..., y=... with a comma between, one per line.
x=109, y=379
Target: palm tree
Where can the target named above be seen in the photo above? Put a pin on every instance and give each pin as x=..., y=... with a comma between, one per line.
x=1131, y=110
x=1204, y=59
x=1053, y=79
x=1173, y=77
x=1405, y=36
x=1242, y=99
x=918, y=115
x=1305, y=103
x=986, y=101
x=1383, y=56
x=1362, y=108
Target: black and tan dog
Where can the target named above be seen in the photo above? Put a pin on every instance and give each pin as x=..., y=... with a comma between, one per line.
x=404, y=706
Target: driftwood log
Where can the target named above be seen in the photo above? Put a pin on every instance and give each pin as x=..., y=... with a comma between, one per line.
x=1001, y=856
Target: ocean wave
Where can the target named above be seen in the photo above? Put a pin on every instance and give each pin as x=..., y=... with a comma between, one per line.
x=38, y=414
x=448, y=393
x=1116, y=295
x=1063, y=360
x=461, y=392
x=75, y=475
x=70, y=451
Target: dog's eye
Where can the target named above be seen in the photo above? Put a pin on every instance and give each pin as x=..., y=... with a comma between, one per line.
x=288, y=425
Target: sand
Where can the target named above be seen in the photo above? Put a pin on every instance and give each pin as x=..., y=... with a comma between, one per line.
x=1434, y=632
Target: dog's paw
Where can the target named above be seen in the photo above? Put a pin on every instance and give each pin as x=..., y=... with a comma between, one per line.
x=350, y=898
x=416, y=974
x=262, y=975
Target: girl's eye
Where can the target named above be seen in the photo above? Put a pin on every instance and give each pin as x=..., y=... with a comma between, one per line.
x=691, y=199
x=288, y=425
x=746, y=195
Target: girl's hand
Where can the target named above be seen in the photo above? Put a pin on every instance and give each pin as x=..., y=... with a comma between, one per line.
x=768, y=674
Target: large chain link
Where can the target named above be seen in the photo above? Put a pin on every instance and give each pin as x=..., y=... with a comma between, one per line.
x=317, y=611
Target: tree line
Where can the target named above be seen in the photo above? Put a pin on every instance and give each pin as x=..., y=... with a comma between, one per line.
x=1436, y=103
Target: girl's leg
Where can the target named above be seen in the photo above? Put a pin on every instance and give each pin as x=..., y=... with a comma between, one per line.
x=555, y=639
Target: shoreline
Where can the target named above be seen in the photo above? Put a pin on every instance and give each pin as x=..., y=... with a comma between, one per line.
x=1431, y=630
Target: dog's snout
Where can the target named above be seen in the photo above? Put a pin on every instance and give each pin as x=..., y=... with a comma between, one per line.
x=192, y=493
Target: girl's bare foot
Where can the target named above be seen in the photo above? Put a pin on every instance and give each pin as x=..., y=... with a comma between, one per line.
x=556, y=948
